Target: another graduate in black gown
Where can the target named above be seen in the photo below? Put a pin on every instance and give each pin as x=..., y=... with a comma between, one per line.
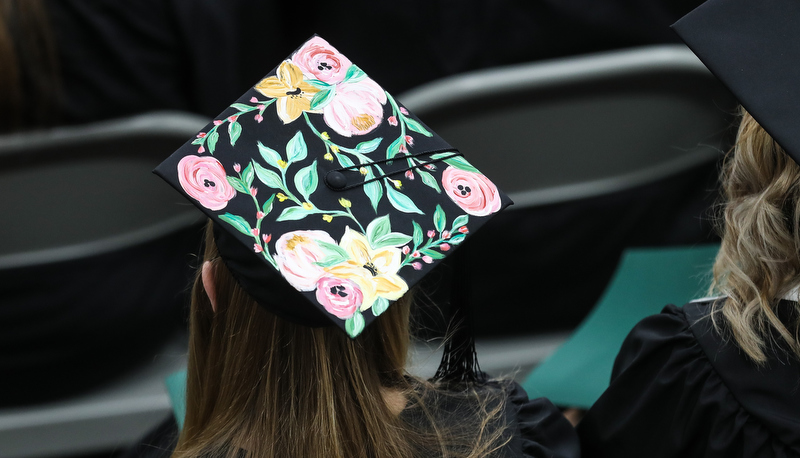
x=720, y=377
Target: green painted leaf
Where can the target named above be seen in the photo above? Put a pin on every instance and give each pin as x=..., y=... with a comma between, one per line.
x=318, y=84
x=439, y=219
x=306, y=180
x=293, y=214
x=237, y=222
x=331, y=261
x=380, y=305
x=354, y=325
x=412, y=124
x=392, y=239
x=234, y=130
x=374, y=191
x=370, y=146
x=242, y=107
x=332, y=249
x=458, y=222
x=323, y=98
x=237, y=184
x=354, y=74
x=433, y=254
x=460, y=163
x=401, y=201
x=211, y=141
x=270, y=155
x=417, y=235
x=267, y=206
x=344, y=161
x=456, y=239
x=296, y=149
x=429, y=180
x=267, y=176
x=394, y=148
x=248, y=175
x=198, y=141
x=378, y=228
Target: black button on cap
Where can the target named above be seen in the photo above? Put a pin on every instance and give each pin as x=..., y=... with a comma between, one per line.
x=336, y=180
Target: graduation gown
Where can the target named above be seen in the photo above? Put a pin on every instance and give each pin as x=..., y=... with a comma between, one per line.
x=679, y=388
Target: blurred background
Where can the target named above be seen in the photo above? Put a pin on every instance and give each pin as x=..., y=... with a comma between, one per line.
x=603, y=128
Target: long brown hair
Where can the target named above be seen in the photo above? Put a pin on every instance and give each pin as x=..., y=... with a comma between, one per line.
x=759, y=259
x=30, y=82
x=275, y=389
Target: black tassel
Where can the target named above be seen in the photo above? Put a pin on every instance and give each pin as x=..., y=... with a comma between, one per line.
x=459, y=364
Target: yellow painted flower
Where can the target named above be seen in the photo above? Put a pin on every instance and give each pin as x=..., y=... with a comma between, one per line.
x=328, y=157
x=397, y=183
x=325, y=136
x=282, y=164
x=308, y=206
x=334, y=148
x=281, y=196
x=375, y=271
x=292, y=93
x=362, y=170
x=345, y=203
x=327, y=218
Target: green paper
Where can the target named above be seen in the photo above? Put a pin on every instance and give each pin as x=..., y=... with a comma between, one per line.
x=646, y=280
x=176, y=389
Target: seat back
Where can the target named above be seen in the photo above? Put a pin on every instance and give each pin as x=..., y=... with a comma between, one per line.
x=80, y=191
x=584, y=126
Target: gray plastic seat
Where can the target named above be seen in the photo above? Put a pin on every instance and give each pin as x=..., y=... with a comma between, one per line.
x=82, y=191
x=577, y=127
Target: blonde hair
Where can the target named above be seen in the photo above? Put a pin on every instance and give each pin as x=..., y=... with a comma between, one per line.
x=759, y=259
x=275, y=389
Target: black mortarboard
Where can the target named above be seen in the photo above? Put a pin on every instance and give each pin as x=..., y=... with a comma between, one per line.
x=753, y=47
x=319, y=183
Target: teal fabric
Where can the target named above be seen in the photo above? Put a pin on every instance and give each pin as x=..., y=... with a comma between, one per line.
x=646, y=280
x=176, y=389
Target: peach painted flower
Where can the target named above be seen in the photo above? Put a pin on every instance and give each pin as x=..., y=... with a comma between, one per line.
x=319, y=60
x=297, y=253
x=339, y=296
x=374, y=271
x=203, y=178
x=287, y=86
x=471, y=191
x=356, y=109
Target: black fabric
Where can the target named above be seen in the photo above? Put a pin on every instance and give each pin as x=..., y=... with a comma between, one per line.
x=753, y=48
x=679, y=388
x=536, y=428
x=119, y=58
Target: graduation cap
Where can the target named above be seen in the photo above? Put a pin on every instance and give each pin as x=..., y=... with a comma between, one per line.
x=753, y=47
x=328, y=198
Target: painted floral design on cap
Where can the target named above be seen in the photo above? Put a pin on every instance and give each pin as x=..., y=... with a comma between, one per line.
x=471, y=191
x=352, y=248
x=341, y=297
x=204, y=179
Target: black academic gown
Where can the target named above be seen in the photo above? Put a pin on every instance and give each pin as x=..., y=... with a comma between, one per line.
x=679, y=389
x=535, y=428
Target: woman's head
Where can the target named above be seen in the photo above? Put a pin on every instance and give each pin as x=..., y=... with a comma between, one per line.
x=759, y=260
x=253, y=374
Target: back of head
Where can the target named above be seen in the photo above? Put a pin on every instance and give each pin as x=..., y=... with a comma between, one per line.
x=759, y=260
x=311, y=391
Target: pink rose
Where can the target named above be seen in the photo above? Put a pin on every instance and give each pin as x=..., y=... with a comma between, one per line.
x=340, y=297
x=471, y=191
x=318, y=59
x=204, y=179
x=297, y=252
x=356, y=109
